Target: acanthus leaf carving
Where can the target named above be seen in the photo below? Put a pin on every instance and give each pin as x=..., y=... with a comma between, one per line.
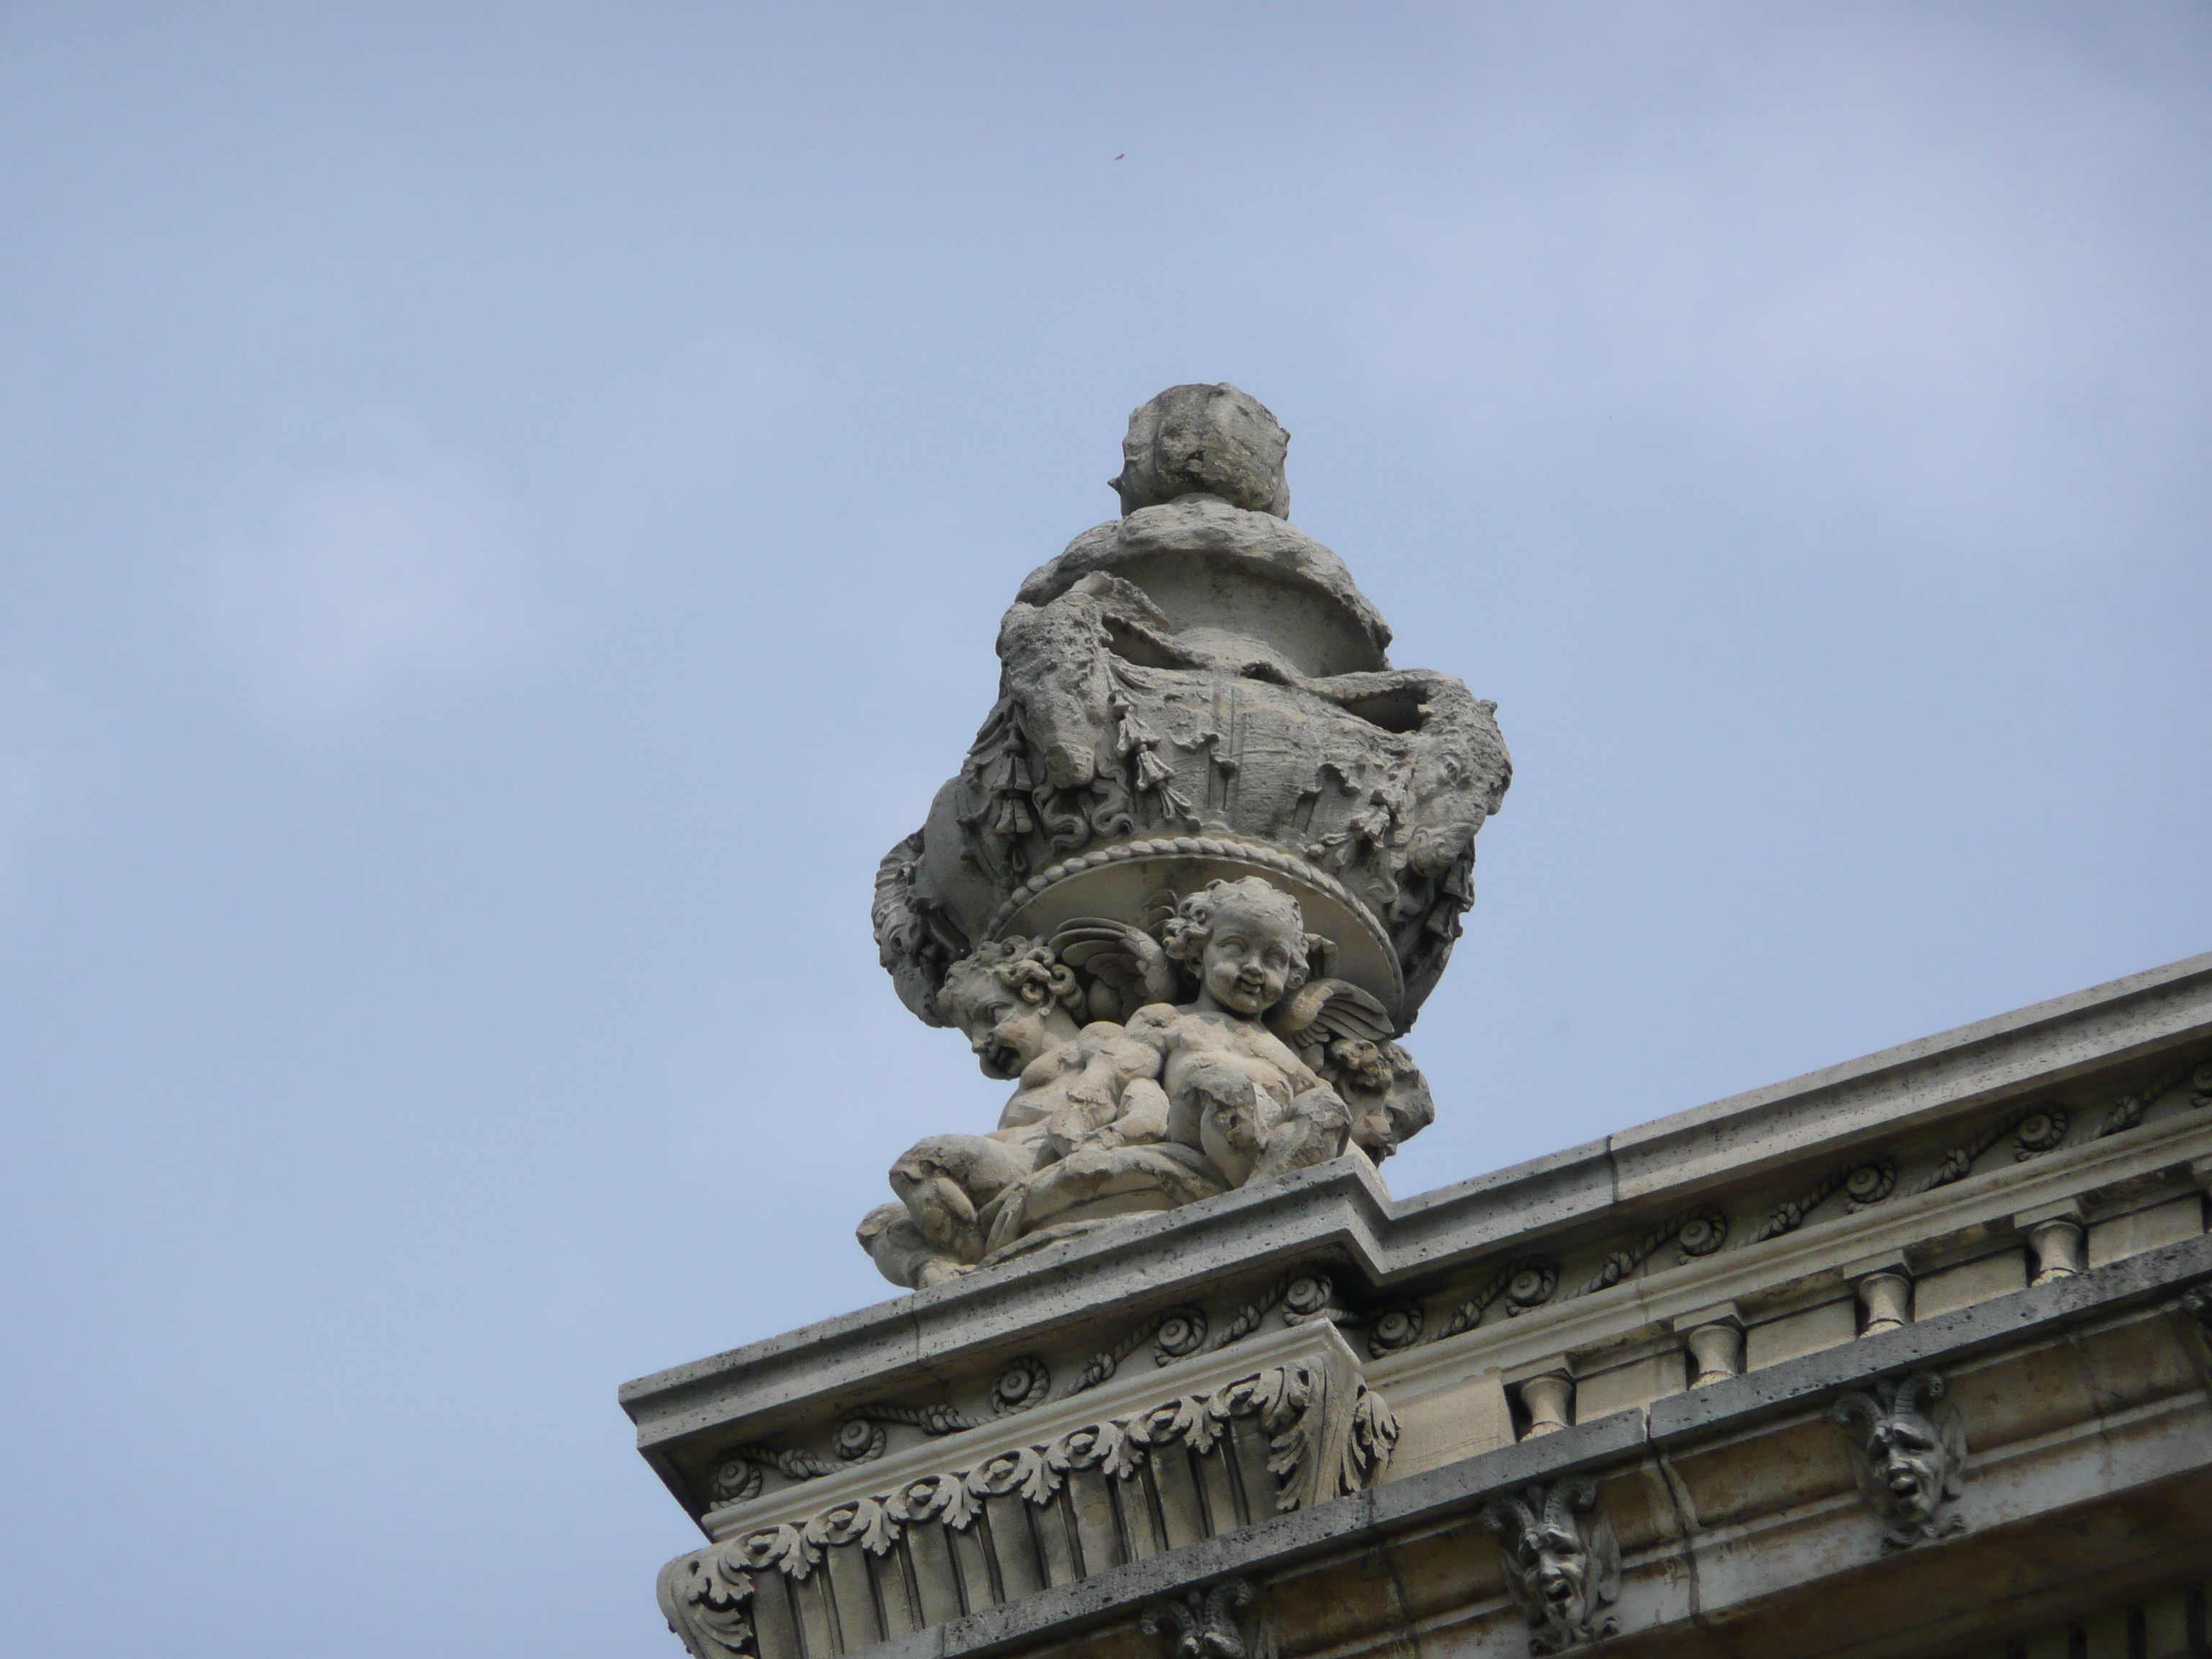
x=783, y=1547
x=1372, y=1440
x=943, y=1498
x=707, y=1597
x=1023, y=1470
x=1352, y=1442
x=864, y=1521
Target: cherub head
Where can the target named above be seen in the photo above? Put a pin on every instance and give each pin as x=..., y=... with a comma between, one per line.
x=1246, y=940
x=1012, y=999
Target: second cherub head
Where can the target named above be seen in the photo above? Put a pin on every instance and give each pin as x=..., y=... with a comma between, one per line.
x=1246, y=942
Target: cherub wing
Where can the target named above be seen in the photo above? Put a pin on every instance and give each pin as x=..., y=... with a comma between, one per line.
x=1126, y=958
x=1325, y=1009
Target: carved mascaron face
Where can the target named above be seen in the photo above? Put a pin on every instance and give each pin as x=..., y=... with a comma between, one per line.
x=1909, y=1462
x=1557, y=1569
x=1253, y=957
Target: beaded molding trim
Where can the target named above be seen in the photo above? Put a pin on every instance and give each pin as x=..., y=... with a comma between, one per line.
x=1256, y=852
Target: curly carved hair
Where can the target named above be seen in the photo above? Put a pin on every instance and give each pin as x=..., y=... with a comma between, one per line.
x=1029, y=968
x=1185, y=933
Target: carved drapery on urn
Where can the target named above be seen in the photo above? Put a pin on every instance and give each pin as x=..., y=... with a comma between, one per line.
x=1193, y=672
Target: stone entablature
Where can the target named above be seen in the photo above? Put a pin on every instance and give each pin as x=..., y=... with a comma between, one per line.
x=1872, y=1364
x=1123, y=1472
x=1737, y=1508
x=1723, y=1290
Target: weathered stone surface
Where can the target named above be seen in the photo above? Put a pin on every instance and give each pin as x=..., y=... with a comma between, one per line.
x=1204, y=440
x=1967, y=1283
x=2146, y=1228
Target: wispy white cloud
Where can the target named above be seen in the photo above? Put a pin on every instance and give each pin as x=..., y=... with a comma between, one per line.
x=366, y=579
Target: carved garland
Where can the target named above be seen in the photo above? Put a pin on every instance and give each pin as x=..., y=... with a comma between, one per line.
x=1279, y=1398
x=1523, y=1284
x=861, y=1438
x=1864, y=1183
x=1701, y=1230
x=1175, y=1335
x=2129, y=1109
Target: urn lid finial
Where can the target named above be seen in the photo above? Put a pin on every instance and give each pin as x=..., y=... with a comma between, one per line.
x=1202, y=440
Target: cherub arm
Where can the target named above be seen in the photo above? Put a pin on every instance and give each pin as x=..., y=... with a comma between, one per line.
x=1126, y=1072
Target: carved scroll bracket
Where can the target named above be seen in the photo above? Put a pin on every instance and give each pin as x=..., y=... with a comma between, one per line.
x=707, y=1597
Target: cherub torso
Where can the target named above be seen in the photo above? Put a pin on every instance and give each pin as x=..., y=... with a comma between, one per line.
x=1187, y=1038
x=1088, y=1074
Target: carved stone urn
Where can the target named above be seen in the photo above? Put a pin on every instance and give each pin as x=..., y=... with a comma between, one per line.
x=1198, y=691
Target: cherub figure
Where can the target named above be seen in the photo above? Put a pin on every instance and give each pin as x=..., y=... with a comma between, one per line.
x=1344, y=1035
x=1088, y=1108
x=1236, y=1090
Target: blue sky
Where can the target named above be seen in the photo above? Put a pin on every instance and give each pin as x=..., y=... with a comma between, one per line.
x=503, y=514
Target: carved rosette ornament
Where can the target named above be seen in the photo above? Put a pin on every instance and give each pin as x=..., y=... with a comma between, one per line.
x=1561, y=1562
x=1194, y=698
x=1908, y=1449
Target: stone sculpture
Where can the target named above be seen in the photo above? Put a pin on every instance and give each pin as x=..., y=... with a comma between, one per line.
x=1196, y=717
x=1911, y=1461
x=707, y=1597
x=1561, y=1562
x=1211, y=1624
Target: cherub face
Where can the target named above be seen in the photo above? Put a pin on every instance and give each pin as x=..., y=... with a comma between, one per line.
x=1006, y=1031
x=1252, y=958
